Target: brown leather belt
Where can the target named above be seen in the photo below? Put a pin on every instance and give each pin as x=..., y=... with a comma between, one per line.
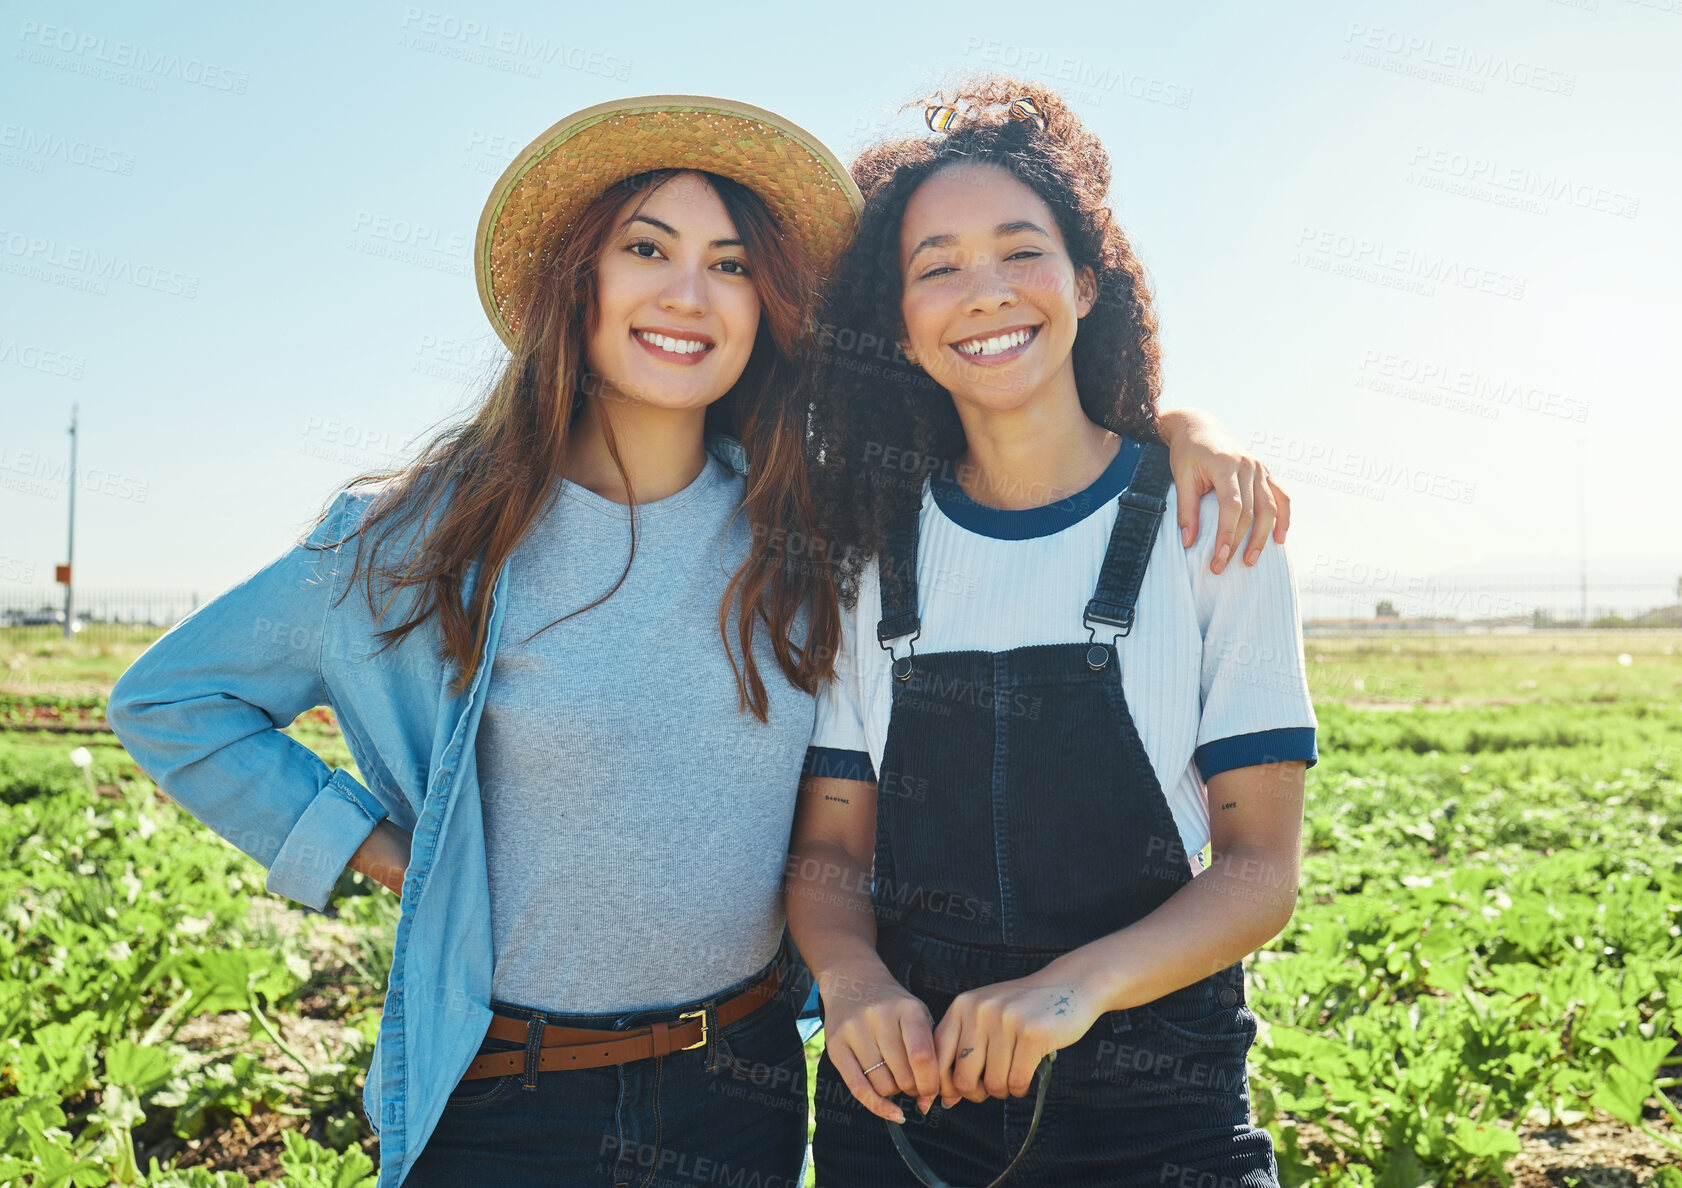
x=579, y=1047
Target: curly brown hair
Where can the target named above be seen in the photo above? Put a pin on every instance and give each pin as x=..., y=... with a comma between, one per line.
x=880, y=423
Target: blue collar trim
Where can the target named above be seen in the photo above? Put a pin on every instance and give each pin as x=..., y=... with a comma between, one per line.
x=1028, y=523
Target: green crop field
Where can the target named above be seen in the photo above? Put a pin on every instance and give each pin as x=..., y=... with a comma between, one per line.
x=1480, y=985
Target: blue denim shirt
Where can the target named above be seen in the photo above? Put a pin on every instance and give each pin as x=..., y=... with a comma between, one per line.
x=201, y=712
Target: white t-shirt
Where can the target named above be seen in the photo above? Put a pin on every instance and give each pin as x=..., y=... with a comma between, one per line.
x=1213, y=670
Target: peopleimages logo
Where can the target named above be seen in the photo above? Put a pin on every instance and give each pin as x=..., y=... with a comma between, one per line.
x=43, y=359
x=1502, y=183
x=1090, y=80
x=1447, y=61
x=511, y=50
x=35, y=255
x=148, y=64
x=14, y=570
x=34, y=147
x=1462, y=389
x=407, y=242
x=1414, y=596
x=36, y=473
x=1309, y=458
x=1410, y=269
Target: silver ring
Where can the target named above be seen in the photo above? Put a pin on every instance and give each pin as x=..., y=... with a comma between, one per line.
x=874, y=1067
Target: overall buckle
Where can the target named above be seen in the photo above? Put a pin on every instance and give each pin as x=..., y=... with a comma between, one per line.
x=902, y=664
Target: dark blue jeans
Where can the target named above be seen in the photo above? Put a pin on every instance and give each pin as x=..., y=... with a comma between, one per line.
x=657, y=1123
x=1153, y=1096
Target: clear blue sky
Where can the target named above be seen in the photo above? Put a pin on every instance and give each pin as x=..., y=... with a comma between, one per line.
x=1337, y=204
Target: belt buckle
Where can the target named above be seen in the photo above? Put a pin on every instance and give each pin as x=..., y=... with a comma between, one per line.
x=702, y=1016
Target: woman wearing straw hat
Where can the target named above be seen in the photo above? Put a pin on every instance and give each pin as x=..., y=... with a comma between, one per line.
x=580, y=687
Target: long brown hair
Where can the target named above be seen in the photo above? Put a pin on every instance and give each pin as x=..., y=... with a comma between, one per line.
x=498, y=466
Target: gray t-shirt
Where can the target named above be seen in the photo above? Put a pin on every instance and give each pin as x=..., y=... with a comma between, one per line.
x=636, y=822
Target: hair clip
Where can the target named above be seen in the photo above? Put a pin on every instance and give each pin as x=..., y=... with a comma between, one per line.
x=942, y=116
x=1027, y=110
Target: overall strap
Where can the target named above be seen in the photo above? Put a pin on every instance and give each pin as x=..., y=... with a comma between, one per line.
x=1141, y=508
x=898, y=568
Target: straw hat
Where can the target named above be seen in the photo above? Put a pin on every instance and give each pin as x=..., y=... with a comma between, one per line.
x=556, y=176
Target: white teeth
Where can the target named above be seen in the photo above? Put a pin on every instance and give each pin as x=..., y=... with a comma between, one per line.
x=995, y=346
x=678, y=346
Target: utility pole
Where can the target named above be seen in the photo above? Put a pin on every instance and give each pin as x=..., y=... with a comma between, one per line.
x=70, y=545
x=1582, y=539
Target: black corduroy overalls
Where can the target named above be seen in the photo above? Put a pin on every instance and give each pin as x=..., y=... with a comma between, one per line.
x=1038, y=825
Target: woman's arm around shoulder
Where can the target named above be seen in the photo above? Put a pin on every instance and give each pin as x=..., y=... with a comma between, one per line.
x=1205, y=458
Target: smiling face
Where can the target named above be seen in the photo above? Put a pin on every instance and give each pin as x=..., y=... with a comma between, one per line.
x=676, y=309
x=991, y=299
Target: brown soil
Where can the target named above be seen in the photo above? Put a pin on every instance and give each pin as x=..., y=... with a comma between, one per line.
x=250, y=1146
x=1600, y=1153
x=230, y=1031
x=1597, y=1153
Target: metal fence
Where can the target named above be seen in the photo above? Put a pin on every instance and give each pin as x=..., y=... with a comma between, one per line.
x=1352, y=600
x=1354, y=594
x=101, y=616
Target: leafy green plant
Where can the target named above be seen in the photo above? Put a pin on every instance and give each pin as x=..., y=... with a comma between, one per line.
x=310, y=1165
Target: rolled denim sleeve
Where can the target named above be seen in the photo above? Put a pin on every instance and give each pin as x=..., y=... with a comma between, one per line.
x=201, y=712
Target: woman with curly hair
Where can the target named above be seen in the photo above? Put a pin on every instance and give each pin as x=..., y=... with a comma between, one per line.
x=1010, y=795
